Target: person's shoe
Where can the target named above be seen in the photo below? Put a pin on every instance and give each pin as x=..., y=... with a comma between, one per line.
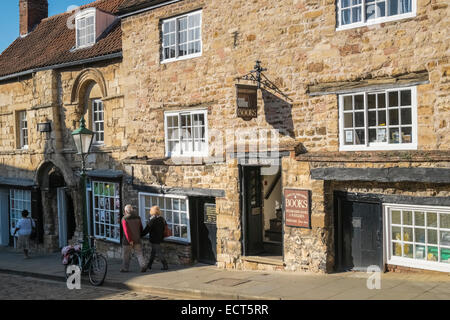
x=165, y=267
x=123, y=270
x=143, y=269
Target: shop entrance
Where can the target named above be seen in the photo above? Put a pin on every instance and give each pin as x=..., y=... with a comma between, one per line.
x=261, y=213
x=359, y=228
x=204, y=228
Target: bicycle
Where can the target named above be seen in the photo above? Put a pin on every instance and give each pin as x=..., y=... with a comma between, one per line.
x=91, y=262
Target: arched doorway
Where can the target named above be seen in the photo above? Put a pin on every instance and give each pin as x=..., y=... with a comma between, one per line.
x=58, y=212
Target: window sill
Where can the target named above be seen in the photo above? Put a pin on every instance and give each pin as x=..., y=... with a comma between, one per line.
x=106, y=240
x=376, y=21
x=176, y=241
x=396, y=147
x=419, y=264
x=192, y=56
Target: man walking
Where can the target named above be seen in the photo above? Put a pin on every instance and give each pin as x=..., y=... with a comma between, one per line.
x=132, y=228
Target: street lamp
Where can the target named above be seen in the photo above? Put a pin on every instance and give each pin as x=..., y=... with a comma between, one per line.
x=83, y=138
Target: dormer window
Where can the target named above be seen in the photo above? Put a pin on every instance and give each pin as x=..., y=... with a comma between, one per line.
x=85, y=26
x=90, y=25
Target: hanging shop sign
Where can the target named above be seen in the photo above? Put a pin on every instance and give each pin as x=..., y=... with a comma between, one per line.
x=247, y=103
x=297, y=206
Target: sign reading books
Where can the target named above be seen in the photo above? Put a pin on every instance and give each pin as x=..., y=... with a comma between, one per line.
x=297, y=205
x=247, y=101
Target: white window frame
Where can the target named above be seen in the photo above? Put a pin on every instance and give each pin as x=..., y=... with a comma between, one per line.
x=411, y=262
x=379, y=20
x=187, y=56
x=18, y=200
x=85, y=14
x=94, y=122
x=180, y=153
x=114, y=211
x=23, y=130
x=384, y=145
x=144, y=212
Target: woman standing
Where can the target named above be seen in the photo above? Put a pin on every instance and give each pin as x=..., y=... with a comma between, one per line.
x=25, y=227
x=156, y=227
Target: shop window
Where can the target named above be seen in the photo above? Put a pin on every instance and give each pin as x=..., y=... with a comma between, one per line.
x=357, y=13
x=186, y=133
x=106, y=210
x=98, y=121
x=173, y=208
x=181, y=37
x=23, y=130
x=381, y=120
x=418, y=236
x=85, y=28
x=19, y=200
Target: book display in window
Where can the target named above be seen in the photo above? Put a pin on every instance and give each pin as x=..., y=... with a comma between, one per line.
x=106, y=210
x=420, y=235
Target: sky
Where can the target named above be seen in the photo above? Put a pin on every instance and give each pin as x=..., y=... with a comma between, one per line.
x=9, y=17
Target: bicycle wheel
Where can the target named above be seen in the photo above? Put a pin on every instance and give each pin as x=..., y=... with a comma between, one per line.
x=97, y=269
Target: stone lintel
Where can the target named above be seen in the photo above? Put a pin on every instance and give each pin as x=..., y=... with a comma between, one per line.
x=377, y=156
x=196, y=192
x=393, y=198
x=404, y=80
x=114, y=174
x=394, y=174
x=44, y=106
x=17, y=182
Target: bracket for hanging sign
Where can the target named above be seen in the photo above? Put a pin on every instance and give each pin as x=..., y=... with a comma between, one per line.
x=247, y=102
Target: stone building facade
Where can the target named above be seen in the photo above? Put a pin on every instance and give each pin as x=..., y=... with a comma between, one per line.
x=354, y=113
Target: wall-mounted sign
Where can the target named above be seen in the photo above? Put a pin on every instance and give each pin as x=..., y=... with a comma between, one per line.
x=44, y=127
x=247, y=101
x=210, y=213
x=297, y=206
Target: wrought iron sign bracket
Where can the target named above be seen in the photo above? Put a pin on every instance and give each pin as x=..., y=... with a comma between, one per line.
x=257, y=75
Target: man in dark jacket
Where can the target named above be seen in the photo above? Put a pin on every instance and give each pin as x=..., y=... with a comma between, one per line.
x=156, y=227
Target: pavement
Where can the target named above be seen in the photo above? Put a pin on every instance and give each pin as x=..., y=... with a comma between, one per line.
x=209, y=282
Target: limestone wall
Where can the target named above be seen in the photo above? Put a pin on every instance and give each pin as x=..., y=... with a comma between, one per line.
x=297, y=41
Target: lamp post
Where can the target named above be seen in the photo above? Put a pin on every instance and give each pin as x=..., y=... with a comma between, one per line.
x=83, y=138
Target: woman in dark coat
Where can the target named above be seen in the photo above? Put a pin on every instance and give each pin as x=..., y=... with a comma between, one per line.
x=156, y=227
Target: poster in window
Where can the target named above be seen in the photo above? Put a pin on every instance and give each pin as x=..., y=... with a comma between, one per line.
x=348, y=136
x=210, y=213
x=381, y=135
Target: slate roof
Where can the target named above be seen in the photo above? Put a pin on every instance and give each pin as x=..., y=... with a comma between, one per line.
x=50, y=43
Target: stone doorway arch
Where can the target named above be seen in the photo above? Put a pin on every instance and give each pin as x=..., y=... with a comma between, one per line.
x=59, y=197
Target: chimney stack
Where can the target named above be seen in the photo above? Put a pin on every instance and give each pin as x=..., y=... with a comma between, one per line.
x=31, y=14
